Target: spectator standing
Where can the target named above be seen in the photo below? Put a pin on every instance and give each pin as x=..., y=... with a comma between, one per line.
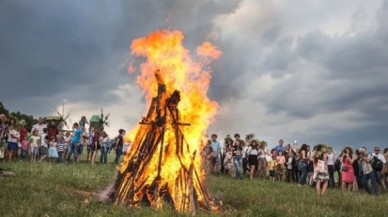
x=272, y=165
x=52, y=130
x=119, y=145
x=66, y=139
x=83, y=122
x=245, y=154
x=280, y=168
x=83, y=142
x=253, y=151
x=89, y=148
x=347, y=171
x=385, y=170
x=290, y=162
x=105, y=147
x=13, y=140
x=228, y=143
x=237, y=155
x=23, y=139
x=228, y=161
x=331, y=156
x=61, y=149
x=43, y=149
x=75, y=142
x=35, y=144
x=95, y=145
x=3, y=133
x=310, y=166
x=321, y=174
x=379, y=173
x=303, y=160
x=53, y=151
x=39, y=126
x=262, y=163
x=280, y=147
x=216, y=149
x=367, y=172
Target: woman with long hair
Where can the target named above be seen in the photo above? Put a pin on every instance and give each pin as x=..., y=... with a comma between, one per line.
x=262, y=163
x=237, y=157
x=347, y=172
x=310, y=166
x=303, y=164
x=228, y=160
x=321, y=174
x=95, y=146
x=253, y=152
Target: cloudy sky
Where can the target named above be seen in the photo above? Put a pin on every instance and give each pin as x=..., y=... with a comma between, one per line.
x=308, y=70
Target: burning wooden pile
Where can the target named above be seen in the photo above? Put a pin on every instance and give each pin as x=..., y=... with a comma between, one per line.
x=161, y=168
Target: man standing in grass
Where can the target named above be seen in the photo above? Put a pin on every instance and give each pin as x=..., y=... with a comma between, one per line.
x=379, y=173
x=39, y=126
x=367, y=172
x=74, y=142
x=279, y=147
x=215, y=160
x=119, y=145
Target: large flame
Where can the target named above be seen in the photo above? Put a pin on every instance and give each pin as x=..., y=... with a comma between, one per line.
x=163, y=50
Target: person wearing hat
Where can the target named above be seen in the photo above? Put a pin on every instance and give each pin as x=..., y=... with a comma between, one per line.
x=23, y=139
x=216, y=148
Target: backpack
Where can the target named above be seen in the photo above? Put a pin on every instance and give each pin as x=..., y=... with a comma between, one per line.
x=377, y=164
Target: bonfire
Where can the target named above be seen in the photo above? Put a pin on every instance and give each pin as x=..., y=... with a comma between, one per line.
x=164, y=164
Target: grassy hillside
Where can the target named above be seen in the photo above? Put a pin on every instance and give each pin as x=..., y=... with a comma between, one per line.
x=43, y=189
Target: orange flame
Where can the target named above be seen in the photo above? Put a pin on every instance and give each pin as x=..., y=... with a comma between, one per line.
x=164, y=51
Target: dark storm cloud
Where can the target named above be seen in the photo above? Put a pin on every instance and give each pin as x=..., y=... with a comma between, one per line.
x=72, y=50
x=315, y=75
x=51, y=46
x=78, y=50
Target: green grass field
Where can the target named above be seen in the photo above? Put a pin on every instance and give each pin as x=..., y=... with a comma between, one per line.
x=43, y=189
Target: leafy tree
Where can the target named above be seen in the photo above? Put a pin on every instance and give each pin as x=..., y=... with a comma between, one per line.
x=3, y=110
x=18, y=116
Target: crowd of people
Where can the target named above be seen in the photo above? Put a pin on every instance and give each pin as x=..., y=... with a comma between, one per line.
x=46, y=142
x=318, y=166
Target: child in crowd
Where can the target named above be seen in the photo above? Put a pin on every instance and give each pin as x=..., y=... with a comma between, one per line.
x=89, y=148
x=23, y=139
x=61, y=149
x=228, y=161
x=53, y=153
x=280, y=168
x=83, y=142
x=34, y=143
x=272, y=165
x=66, y=141
x=290, y=162
x=43, y=149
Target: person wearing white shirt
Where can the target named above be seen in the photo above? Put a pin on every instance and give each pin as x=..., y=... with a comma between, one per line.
x=13, y=140
x=39, y=126
x=331, y=156
x=379, y=174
